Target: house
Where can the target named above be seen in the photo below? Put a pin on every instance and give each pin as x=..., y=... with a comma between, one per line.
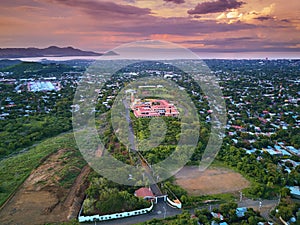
x=240, y=212
x=293, y=150
x=144, y=193
x=223, y=223
x=295, y=191
x=272, y=151
x=217, y=215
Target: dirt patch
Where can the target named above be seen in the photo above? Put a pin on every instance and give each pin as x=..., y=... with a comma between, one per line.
x=211, y=181
x=42, y=199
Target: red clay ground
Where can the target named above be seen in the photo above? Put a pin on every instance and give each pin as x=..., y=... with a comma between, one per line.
x=211, y=181
x=41, y=199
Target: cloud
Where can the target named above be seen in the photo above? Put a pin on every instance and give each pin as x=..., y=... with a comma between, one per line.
x=243, y=49
x=236, y=15
x=180, y=26
x=264, y=18
x=141, y=22
x=175, y=1
x=243, y=44
x=130, y=1
x=222, y=41
x=215, y=6
x=101, y=7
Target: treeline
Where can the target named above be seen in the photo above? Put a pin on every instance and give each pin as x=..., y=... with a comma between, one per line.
x=36, y=69
x=16, y=134
x=107, y=197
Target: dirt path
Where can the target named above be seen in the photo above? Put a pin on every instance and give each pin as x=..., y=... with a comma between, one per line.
x=41, y=199
x=211, y=181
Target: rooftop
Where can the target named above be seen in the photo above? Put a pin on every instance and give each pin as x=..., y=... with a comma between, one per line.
x=143, y=192
x=153, y=108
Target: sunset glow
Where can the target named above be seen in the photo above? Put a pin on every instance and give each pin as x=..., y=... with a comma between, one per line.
x=202, y=26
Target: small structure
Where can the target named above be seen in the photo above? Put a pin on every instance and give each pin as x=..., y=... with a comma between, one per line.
x=144, y=193
x=240, y=212
x=175, y=203
x=295, y=191
x=147, y=194
x=223, y=223
x=217, y=215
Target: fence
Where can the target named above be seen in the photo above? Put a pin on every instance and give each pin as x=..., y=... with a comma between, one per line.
x=114, y=216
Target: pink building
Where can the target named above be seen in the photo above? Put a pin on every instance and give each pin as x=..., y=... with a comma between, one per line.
x=154, y=108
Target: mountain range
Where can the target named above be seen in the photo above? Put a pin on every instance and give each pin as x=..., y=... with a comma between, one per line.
x=52, y=51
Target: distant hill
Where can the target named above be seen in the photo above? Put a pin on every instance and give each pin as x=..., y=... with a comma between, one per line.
x=110, y=53
x=53, y=51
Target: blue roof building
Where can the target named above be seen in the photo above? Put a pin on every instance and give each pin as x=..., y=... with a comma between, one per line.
x=240, y=212
x=295, y=191
x=223, y=223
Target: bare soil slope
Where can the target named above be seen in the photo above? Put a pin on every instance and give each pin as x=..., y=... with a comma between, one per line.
x=211, y=181
x=42, y=198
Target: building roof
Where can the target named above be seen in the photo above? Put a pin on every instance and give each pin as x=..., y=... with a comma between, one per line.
x=217, y=215
x=295, y=190
x=143, y=192
x=223, y=223
x=153, y=108
x=240, y=212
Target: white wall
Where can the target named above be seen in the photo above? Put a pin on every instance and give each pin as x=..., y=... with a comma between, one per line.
x=115, y=215
x=177, y=205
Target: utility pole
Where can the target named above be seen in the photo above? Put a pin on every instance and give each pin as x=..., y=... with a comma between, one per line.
x=165, y=211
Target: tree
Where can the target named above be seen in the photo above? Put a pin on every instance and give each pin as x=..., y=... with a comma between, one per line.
x=88, y=206
x=284, y=192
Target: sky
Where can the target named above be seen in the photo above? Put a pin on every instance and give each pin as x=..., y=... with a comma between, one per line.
x=216, y=26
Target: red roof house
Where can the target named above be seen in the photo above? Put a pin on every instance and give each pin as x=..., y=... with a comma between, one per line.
x=144, y=192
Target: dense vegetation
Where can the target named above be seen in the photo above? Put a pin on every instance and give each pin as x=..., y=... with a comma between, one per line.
x=20, y=133
x=106, y=197
x=38, y=70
